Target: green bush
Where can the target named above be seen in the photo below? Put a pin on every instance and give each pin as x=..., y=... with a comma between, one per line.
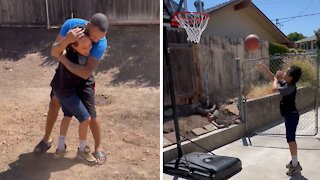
x=317, y=33
x=293, y=51
x=276, y=49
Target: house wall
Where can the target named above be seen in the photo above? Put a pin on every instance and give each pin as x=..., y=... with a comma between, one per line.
x=309, y=46
x=239, y=24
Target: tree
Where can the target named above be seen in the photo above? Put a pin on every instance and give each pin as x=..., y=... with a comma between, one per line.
x=295, y=36
x=317, y=33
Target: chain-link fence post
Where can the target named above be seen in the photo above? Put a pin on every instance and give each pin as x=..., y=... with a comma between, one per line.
x=317, y=92
x=240, y=97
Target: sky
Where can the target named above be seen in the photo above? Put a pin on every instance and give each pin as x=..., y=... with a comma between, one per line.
x=277, y=9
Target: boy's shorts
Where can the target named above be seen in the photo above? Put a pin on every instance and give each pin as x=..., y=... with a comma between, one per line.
x=72, y=106
x=291, y=123
x=87, y=96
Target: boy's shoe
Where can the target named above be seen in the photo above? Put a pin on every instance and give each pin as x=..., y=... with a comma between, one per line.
x=288, y=166
x=292, y=170
x=87, y=156
x=60, y=154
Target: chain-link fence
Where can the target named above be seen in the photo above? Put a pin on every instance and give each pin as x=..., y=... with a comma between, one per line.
x=260, y=107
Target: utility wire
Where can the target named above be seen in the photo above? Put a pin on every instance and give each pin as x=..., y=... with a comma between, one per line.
x=313, y=14
x=307, y=7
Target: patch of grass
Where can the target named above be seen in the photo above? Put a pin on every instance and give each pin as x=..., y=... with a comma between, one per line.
x=308, y=78
x=259, y=91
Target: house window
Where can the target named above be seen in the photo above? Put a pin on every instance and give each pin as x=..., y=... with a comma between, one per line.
x=314, y=45
x=309, y=45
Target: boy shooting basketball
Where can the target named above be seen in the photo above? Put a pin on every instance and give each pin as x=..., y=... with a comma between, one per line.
x=286, y=86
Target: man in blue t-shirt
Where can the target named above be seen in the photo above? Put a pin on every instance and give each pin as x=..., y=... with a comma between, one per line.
x=97, y=26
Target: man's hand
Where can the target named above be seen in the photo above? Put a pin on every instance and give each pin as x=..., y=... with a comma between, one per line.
x=61, y=42
x=74, y=35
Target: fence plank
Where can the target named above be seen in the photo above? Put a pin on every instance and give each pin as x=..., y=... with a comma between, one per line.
x=33, y=12
x=181, y=57
x=214, y=59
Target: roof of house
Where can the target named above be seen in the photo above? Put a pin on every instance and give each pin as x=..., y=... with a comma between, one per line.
x=214, y=8
x=238, y=2
x=311, y=38
x=172, y=6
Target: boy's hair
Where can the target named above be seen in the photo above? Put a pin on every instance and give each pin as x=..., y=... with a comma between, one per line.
x=101, y=21
x=295, y=73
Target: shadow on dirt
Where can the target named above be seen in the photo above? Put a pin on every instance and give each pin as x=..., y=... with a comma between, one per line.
x=30, y=166
x=16, y=43
x=133, y=51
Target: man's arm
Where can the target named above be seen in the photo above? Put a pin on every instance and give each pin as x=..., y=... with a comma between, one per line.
x=61, y=42
x=82, y=71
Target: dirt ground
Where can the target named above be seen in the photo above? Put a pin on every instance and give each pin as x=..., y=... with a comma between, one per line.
x=127, y=92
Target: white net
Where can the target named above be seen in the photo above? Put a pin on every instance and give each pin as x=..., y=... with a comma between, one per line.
x=194, y=24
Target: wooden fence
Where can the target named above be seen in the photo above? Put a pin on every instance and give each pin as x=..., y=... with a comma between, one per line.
x=182, y=63
x=120, y=12
x=213, y=59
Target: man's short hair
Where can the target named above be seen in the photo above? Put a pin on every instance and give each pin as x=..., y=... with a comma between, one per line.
x=101, y=21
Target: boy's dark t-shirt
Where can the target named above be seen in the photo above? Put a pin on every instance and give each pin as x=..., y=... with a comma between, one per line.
x=288, y=93
x=65, y=82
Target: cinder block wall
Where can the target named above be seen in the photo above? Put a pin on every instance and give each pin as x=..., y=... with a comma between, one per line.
x=263, y=111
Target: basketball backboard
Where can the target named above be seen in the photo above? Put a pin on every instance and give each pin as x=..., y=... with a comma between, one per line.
x=170, y=7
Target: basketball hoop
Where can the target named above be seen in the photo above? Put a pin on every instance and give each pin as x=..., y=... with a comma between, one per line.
x=193, y=22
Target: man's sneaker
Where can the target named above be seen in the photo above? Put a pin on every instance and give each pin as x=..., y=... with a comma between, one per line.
x=86, y=156
x=59, y=154
x=293, y=170
x=42, y=147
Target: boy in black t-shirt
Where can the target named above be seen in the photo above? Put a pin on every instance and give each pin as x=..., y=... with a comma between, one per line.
x=76, y=96
x=286, y=85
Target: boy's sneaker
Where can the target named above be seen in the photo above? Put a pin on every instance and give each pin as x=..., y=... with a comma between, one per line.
x=59, y=154
x=86, y=156
x=293, y=170
x=288, y=166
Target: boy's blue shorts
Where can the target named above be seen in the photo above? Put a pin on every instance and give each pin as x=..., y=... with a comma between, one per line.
x=73, y=106
x=291, y=122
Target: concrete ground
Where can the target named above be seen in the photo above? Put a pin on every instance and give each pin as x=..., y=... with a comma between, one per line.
x=267, y=156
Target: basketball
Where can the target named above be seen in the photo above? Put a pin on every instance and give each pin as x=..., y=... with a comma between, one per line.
x=252, y=42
